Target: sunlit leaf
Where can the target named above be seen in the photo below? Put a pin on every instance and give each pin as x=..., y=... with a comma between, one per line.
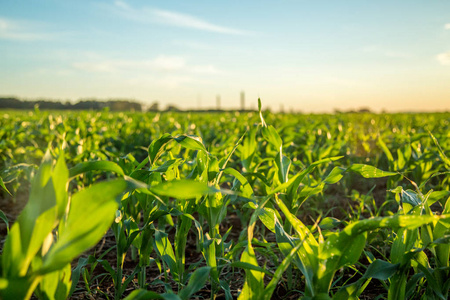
x=95, y=166
x=369, y=171
x=182, y=189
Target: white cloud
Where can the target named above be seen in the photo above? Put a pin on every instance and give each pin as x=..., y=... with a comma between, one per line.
x=19, y=31
x=169, y=81
x=171, y=18
x=163, y=71
x=169, y=63
x=447, y=26
x=173, y=81
x=162, y=63
x=443, y=58
x=188, y=21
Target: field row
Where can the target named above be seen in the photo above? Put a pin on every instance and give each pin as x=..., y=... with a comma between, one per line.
x=224, y=206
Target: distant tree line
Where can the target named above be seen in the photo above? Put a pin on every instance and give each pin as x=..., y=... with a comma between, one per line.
x=89, y=104
x=94, y=104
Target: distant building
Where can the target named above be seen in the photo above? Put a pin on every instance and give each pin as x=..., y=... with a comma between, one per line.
x=218, y=102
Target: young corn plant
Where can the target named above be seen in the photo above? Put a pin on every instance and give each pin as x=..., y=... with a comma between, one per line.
x=409, y=244
x=319, y=258
x=52, y=230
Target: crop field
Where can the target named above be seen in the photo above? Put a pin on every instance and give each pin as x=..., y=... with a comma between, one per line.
x=229, y=205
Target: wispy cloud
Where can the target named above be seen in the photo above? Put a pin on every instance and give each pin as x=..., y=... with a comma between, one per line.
x=162, y=63
x=19, y=31
x=171, y=18
x=169, y=81
x=443, y=58
x=447, y=26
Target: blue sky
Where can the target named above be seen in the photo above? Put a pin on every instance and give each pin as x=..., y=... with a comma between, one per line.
x=312, y=56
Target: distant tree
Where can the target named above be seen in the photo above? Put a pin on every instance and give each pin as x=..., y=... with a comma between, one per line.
x=10, y=103
x=83, y=104
x=364, y=110
x=172, y=108
x=121, y=105
x=154, y=106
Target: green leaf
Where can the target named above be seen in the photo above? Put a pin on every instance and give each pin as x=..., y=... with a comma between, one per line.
x=411, y=197
x=280, y=270
x=345, y=247
x=82, y=262
x=307, y=260
x=283, y=163
x=380, y=269
x=209, y=252
x=254, y=280
x=246, y=187
x=260, y=113
x=268, y=218
x=91, y=213
x=3, y=284
x=143, y=295
x=271, y=135
x=411, y=286
x=196, y=282
x=165, y=251
x=436, y=196
x=182, y=189
x=351, y=291
x=295, y=181
x=34, y=224
x=166, y=165
x=16, y=288
x=394, y=222
x=249, y=266
x=55, y=285
x=95, y=166
x=401, y=162
x=335, y=175
x=369, y=171
x=191, y=142
x=226, y=288
x=329, y=223
x=5, y=219
x=444, y=157
x=248, y=149
x=442, y=240
x=341, y=249
x=156, y=147
x=60, y=177
x=2, y=184
x=302, y=231
x=385, y=150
